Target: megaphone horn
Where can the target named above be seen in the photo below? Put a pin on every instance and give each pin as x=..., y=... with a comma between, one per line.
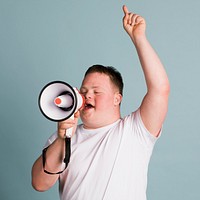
x=59, y=101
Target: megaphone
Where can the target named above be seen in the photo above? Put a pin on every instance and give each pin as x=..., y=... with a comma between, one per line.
x=59, y=101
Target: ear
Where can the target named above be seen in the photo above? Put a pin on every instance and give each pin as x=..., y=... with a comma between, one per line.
x=117, y=99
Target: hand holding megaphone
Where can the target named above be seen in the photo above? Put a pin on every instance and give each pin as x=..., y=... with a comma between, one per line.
x=59, y=101
x=67, y=127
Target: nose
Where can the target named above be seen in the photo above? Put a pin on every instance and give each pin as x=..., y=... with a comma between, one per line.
x=88, y=95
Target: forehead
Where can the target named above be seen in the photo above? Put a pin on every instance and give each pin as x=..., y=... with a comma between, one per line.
x=96, y=80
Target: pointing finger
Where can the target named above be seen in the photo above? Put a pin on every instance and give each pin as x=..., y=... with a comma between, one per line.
x=125, y=9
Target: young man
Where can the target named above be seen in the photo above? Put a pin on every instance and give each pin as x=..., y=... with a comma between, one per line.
x=109, y=155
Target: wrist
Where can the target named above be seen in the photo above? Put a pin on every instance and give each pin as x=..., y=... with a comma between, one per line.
x=139, y=40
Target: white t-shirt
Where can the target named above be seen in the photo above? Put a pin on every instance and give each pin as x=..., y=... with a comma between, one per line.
x=108, y=163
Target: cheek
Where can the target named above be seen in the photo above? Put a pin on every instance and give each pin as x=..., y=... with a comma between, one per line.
x=104, y=102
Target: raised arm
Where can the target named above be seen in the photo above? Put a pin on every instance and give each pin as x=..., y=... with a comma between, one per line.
x=154, y=105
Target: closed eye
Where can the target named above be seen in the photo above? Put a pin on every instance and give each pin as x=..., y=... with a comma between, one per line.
x=97, y=92
x=83, y=92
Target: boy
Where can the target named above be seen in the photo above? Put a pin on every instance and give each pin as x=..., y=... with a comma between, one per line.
x=109, y=155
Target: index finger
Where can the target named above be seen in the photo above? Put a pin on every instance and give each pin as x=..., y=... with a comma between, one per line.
x=125, y=9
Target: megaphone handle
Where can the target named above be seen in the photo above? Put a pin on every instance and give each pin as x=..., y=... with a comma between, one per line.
x=68, y=132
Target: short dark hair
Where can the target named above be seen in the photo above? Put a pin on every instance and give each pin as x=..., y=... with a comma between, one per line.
x=114, y=75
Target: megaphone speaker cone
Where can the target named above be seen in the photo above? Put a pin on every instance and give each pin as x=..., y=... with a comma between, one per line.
x=57, y=101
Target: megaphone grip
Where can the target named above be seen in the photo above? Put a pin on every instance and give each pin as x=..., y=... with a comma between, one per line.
x=68, y=132
x=67, y=151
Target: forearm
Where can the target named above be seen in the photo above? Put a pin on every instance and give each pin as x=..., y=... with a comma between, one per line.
x=42, y=181
x=154, y=72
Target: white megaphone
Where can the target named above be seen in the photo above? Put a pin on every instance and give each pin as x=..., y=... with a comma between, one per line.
x=59, y=101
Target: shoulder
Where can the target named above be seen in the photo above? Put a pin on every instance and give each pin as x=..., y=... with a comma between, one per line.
x=51, y=139
x=135, y=128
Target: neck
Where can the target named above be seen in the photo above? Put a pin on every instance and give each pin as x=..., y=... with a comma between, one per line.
x=103, y=123
x=98, y=126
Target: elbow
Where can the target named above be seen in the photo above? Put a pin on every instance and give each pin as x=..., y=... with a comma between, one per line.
x=40, y=183
x=161, y=89
x=38, y=187
x=165, y=89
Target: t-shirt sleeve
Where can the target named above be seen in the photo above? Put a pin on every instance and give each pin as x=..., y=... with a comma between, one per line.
x=139, y=130
x=51, y=139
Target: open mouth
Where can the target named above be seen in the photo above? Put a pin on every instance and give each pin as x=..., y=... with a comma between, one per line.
x=88, y=106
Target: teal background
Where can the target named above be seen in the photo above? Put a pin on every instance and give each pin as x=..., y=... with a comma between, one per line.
x=46, y=40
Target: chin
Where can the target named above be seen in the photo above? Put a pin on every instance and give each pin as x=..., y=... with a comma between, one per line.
x=85, y=119
x=88, y=122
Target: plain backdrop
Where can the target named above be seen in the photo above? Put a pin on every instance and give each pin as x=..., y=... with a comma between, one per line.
x=46, y=40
